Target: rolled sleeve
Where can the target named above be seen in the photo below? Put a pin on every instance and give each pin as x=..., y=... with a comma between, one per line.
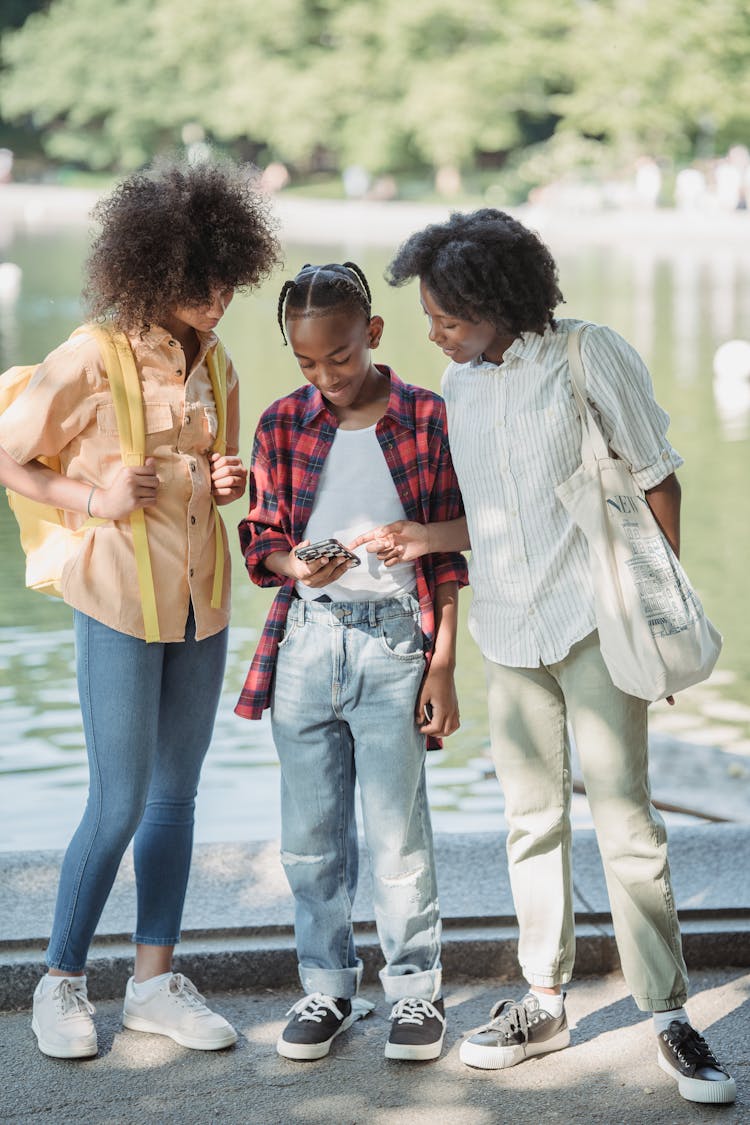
x=261, y=531
x=619, y=388
x=450, y=568
x=668, y=462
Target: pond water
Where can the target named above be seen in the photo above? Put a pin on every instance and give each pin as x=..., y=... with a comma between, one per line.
x=676, y=303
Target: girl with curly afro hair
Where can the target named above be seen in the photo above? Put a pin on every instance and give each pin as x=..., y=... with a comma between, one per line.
x=175, y=242
x=174, y=236
x=488, y=288
x=484, y=266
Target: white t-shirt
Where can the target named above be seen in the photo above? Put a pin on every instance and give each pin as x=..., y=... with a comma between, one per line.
x=515, y=433
x=356, y=493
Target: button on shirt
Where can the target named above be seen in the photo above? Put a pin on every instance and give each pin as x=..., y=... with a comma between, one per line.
x=67, y=409
x=515, y=434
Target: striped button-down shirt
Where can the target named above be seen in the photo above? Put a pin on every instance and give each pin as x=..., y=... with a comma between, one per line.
x=292, y=441
x=515, y=434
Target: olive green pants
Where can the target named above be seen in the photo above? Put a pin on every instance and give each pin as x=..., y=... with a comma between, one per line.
x=529, y=710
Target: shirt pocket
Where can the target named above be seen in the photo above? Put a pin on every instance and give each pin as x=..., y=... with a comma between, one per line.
x=158, y=423
x=546, y=444
x=157, y=416
x=206, y=426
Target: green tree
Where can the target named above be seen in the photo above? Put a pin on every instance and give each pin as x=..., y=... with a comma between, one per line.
x=667, y=78
x=86, y=76
x=382, y=83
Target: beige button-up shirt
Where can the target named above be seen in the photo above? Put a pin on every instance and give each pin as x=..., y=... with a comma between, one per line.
x=67, y=410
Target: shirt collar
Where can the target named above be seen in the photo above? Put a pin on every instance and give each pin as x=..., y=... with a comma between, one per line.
x=397, y=408
x=154, y=336
x=525, y=347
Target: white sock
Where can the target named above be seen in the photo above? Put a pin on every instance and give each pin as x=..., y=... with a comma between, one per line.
x=145, y=988
x=662, y=1020
x=50, y=982
x=550, y=1002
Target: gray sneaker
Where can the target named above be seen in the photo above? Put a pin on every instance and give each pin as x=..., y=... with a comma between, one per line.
x=515, y=1032
x=315, y=1023
x=687, y=1058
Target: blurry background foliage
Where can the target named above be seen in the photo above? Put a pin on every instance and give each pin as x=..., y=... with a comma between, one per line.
x=495, y=89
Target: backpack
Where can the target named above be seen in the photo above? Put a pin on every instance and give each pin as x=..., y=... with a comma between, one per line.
x=45, y=539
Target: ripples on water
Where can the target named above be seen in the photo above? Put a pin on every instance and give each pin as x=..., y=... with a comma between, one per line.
x=44, y=776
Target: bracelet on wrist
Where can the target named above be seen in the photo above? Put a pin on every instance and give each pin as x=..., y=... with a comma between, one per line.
x=89, y=513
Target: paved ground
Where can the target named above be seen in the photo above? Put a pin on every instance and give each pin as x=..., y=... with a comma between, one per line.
x=608, y=1074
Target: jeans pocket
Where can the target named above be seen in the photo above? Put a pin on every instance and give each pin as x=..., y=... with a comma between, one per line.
x=401, y=637
x=290, y=631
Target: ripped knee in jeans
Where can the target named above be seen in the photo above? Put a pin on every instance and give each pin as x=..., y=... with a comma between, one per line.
x=290, y=859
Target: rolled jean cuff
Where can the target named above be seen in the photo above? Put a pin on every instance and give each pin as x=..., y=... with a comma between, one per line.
x=341, y=984
x=139, y=939
x=421, y=986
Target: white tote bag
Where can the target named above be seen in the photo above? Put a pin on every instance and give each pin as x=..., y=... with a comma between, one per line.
x=655, y=637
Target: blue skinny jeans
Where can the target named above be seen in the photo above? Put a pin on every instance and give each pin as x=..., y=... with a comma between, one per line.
x=148, y=714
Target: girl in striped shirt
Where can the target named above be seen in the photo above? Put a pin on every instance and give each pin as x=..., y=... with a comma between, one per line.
x=489, y=289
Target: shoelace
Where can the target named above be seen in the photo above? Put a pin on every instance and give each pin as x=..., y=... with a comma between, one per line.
x=182, y=987
x=315, y=1007
x=509, y=1017
x=411, y=1010
x=73, y=1000
x=690, y=1047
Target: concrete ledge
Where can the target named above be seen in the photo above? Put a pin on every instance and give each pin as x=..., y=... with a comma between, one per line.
x=238, y=931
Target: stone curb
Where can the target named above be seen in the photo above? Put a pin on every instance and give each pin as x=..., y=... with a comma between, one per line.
x=238, y=921
x=243, y=960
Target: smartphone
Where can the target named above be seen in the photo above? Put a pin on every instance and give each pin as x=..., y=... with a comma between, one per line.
x=326, y=549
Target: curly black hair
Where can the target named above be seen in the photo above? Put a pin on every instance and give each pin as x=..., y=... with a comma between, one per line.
x=316, y=290
x=483, y=265
x=175, y=233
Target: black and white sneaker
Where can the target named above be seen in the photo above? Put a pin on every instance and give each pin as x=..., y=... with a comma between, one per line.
x=686, y=1056
x=315, y=1023
x=417, y=1029
x=515, y=1032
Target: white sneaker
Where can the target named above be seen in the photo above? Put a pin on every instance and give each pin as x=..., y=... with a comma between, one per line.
x=178, y=1010
x=62, y=1019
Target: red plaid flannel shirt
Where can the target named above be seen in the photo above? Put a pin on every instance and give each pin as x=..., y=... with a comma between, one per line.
x=291, y=444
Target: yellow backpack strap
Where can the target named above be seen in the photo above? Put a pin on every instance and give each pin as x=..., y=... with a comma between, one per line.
x=217, y=368
x=128, y=403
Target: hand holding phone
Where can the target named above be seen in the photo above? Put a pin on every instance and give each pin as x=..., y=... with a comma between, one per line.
x=326, y=549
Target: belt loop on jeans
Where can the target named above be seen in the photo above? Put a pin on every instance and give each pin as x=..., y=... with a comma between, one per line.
x=297, y=608
x=372, y=610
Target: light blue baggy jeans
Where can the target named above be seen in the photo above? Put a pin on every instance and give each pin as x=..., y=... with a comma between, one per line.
x=148, y=713
x=343, y=710
x=529, y=711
